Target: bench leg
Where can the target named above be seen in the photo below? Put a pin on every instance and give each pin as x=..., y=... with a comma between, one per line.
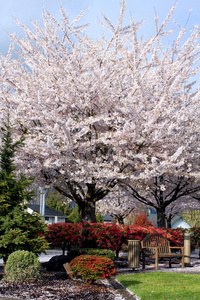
x=143, y=261
x=182, y=261
x=156, y=260
x=170, y=262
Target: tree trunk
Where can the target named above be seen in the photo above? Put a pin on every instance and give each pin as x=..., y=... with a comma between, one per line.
x=63, y=248
x=161, y=221
x=161, y=216
x=4, y=265
x=85, y=199
x=120, y=220
x=87, y=211
x=169, y=222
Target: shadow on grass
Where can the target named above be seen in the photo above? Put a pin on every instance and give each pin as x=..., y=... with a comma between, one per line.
x=128, y=283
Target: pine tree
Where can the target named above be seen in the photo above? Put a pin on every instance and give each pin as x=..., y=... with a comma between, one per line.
x=12, y=192
x=18, y=229
x=8, y=151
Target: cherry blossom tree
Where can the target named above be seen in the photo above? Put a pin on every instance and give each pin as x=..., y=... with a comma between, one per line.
x=118, y=204
x=168, y=195
x=98, y=111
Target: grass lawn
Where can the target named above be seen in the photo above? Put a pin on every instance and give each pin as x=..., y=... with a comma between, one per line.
x=160, y=286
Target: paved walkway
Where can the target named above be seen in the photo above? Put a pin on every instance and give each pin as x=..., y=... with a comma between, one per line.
x=163, y=266
x=43, y=257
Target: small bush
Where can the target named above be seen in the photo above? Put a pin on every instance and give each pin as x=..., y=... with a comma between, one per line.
x=142, y=220
x=92, y=267
x=91, y=251
x=22, y=266
x=195, y=237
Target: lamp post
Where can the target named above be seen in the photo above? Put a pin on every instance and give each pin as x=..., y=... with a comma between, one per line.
x=42, y=201
x=147, y=214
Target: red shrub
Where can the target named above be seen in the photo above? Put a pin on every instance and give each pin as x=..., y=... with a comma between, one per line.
x=91, y=267
x=175, y=236
x=142, y=220
x=105, y=235
x=64, y=235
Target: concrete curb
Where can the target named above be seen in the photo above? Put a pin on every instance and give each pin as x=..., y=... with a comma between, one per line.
x=122, y=290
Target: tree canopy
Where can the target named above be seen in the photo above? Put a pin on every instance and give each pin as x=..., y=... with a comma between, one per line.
x=98, y=111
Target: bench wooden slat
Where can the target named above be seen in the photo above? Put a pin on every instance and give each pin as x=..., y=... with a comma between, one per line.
x=155, y=246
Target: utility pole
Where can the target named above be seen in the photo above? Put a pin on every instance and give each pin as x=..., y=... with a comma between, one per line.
x=42, y=195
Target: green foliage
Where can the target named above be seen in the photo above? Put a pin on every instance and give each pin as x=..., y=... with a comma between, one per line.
x=192, y=217
x=21, y=230
x=18, y=229
x=99, y=217
x=91, y=267
x=160, y=285
x=194, y=236
x=8, y=151
x=60, y=203
x=13, y=192
x=74, y=216
x=22, y=266
x=91, y=251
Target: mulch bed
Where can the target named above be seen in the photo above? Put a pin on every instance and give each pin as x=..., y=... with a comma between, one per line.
x=57, y=286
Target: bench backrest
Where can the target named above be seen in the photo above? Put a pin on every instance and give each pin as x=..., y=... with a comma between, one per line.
x=156, y=240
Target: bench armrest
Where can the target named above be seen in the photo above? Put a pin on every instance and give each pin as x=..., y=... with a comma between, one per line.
x=181, y=248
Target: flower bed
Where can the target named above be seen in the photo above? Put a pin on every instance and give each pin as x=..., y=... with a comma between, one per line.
x=104, y=235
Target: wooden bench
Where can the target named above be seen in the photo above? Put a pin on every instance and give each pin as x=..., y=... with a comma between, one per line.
x=157, y=246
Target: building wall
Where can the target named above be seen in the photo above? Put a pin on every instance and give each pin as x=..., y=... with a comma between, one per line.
x=54, y=219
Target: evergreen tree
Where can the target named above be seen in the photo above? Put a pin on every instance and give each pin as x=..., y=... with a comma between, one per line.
x=18, y=229
x=12, y=192
x=8, y=150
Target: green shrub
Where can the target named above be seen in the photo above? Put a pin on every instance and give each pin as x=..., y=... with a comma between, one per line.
x=91, y=267
x=22, y=266
x=195, y=237
x=91, y=251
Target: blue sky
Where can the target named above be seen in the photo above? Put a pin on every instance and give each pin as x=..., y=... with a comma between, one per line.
x=26, y=10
